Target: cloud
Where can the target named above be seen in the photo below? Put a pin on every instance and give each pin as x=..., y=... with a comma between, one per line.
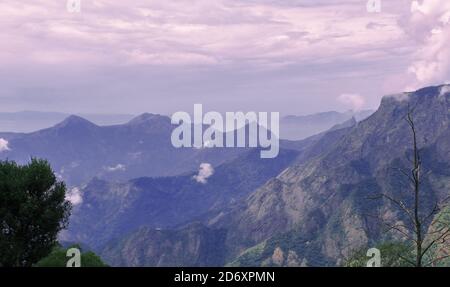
x=226, y=53
x=444, y=90
x=205, y=171
x=118, y=167
x=428, y=25
x=402, y=97
x=74, y=196
x=355, y=101
x=4, y=145
x=202, y=32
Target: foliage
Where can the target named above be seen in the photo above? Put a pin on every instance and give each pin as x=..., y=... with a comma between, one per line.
x=33, y=210
x=58, y=258
x=250, y=257
x=439, y=252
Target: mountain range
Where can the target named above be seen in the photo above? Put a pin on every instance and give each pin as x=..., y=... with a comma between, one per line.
x=111, y=210
x=30, y=121
x=300, y=127
x=203, y=234
x=146, y=203
x=320, y=211
x=292, y=127
x=80, y=150
x=317, y=210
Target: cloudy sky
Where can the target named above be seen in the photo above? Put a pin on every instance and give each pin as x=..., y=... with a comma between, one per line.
x=292, y=56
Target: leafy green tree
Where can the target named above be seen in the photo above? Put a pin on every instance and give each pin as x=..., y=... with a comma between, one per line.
x=33, y=210
x=58, y=258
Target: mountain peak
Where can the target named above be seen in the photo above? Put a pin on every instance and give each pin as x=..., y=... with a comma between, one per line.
x=74, y=120
x=148, y=118
x=419, y=96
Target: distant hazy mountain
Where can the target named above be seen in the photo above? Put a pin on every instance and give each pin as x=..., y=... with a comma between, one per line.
x=111, y=210
x=80, y=150
x=243, y=176
x=291, y=127
x=30, y=121
x=301, y=127
x=317, y=210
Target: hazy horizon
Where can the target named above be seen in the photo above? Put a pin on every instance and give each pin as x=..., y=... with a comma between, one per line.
x=31, y=121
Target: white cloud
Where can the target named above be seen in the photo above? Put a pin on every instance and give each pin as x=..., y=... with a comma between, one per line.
x=4, y=145
x=355, y=101
x=444, y=90
x=229, y=40
x=74, y=196
x=402, y=97
x=204, y=172
x=118, y=167
x=429, y=25
x=186, y=32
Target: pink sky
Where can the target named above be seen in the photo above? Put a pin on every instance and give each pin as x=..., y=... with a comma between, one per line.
x=162, y=56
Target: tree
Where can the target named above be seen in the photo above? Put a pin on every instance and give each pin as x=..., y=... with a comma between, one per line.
x=424, y=228
x=33, y=210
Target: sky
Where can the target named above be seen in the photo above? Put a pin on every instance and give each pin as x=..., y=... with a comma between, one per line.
x=292, y=56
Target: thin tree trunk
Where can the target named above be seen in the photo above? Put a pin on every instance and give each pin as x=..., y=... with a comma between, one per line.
x=416, y=177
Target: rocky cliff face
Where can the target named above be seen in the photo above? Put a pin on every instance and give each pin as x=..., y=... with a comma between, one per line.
x=194, y=245
x=318, y=210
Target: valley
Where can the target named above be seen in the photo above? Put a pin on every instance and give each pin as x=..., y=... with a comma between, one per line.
x=141, y=205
